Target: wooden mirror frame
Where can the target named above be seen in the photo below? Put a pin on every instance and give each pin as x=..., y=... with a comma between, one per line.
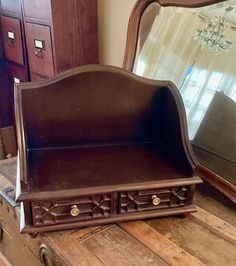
x=209, y=176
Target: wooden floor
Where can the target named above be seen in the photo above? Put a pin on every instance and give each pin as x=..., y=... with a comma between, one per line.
x=207, y=237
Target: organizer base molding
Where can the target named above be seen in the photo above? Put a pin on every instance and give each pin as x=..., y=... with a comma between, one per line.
x=95, y=209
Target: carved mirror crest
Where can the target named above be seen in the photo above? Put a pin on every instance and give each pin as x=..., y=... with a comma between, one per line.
x=193, y=44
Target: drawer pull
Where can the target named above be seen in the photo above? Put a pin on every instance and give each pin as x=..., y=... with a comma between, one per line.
x=39, y=53
x=155, y=200
x=74, y=211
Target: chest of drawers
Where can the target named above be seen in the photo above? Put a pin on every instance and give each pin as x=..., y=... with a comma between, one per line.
x=43, y=38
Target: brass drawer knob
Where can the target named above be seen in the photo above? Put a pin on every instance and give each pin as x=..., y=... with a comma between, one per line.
x=74, y=211
x=155, y=200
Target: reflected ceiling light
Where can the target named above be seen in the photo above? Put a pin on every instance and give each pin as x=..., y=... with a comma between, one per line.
x=212, y=38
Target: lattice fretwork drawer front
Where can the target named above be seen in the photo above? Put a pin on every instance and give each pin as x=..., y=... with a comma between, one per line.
x=80, y=209
x=135, y=201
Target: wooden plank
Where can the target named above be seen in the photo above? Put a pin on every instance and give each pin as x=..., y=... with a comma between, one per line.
x=83, y=233
x=72, y=251
x=214, y=202
x=9, y=141
x=8, y=169
x=4, y=261
x=113, y=246
x=11, y=161
x=216, y=225
x=14, y=245
x=159, y=244
x=197, y=240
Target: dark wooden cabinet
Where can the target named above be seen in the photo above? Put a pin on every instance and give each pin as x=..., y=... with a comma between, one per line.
x=43, y=38
x=14, y=49
x=109, y=147
x=60, y=34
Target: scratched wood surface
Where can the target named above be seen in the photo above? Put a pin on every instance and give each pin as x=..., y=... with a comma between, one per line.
x=207, y=237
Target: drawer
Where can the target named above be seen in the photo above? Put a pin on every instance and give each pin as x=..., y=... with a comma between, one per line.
x=152, y=199
x=40, y=9
x=12, y=6
x=66, y=211
x=38, y=39
x=17, y=74
x=36, y=77
x=12, y=39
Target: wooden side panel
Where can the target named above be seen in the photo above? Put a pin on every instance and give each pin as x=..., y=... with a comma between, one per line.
x=6, y=112
x=75, y=39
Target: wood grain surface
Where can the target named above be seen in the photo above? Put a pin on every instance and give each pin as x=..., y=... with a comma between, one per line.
x=203, y=238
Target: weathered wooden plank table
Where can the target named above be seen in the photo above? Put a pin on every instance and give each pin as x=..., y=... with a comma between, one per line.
x=207, y=237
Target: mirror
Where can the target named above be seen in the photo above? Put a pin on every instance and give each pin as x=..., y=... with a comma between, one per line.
x=193, y=44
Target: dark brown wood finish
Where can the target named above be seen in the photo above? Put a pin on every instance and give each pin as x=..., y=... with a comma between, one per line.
x=130, y=53
x=40, y=60
x=105, y=142
x=14, y=73
x=15, y=52
x=69, y=28
x=12, y=46
x=5, y=107
x=17, y=73
x=68, y=31
x=36, y=77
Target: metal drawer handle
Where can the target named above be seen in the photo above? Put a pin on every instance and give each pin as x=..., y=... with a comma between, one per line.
x=9, y=195
x=74, y=211
x=155, y=200
x=39, y=53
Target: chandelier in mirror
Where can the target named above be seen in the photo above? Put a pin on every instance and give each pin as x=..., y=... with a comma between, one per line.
x=212, y=36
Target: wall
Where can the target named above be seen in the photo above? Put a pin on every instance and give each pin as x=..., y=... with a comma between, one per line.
x=113, y=16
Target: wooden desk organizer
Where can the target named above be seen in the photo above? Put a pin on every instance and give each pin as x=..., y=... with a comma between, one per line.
x=100, y=145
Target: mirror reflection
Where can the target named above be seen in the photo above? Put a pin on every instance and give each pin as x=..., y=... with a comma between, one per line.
x=196, y=49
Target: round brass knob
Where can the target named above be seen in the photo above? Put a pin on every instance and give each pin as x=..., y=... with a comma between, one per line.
x=155, y=200
x=74, y=211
